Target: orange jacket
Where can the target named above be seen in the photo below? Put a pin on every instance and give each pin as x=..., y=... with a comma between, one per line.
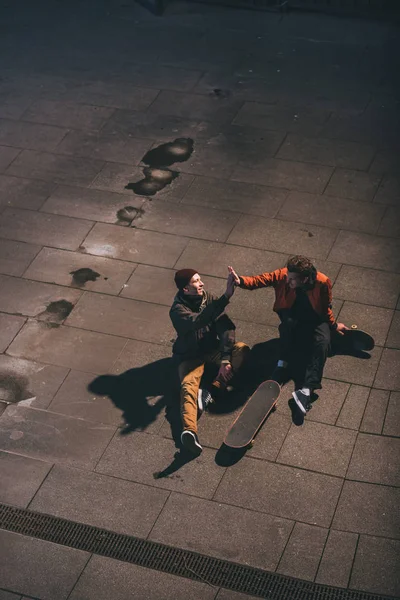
x=320, y=295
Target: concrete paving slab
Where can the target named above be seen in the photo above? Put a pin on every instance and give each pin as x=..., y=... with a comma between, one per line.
x=330, y=402
x=69, y=493
x=283, y=236
x=352, y=369
x=389, y=190
x=270, y=438
x=23, y=193
x=390, y=224
x=9, y=327
x=353, y=185
x=121, y=94
x=335, y=153
x=55, y=167
x=303, y=552
x=33, y=136
x=329, y=211
x=354, y=283
x=54, y=438
x=282, y=118
x=32, y=383
x=256, y=539
x=384, y=162
x=43, y=229
x=139, y=354
x=185, y=105
x=318, y=447
x=392, y=420
x=70, y=114
x=16, y=256
x=25, y=561
x=226, y=595
x=80, y=270
x=337, y=559
x=375, y=320
x=393, y=338
x=7, y=155
x=375, y=411
x=375, y=566
x=295, y=492
x=145, y=284
x=165, y=77
x=353, y=408
x=374, y=460
x=361, y=249
x=154, y=455
x=368, y=508
x=104, y=577
x=388, y=375
x=10, y=596
x=58, y=346
x=21, y=478
x=254, y=333
x=148, y=247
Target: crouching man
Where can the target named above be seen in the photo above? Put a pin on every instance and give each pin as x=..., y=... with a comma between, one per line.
x=205, y=335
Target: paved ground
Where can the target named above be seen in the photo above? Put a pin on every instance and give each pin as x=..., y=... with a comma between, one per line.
x=295, y=122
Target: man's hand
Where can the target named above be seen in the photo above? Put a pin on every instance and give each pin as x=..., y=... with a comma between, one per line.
x=341, y=328
x=234, y=275
x=230, y=286
x=225, y=372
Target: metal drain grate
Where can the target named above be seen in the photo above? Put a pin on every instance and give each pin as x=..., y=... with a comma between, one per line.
x=192, y=565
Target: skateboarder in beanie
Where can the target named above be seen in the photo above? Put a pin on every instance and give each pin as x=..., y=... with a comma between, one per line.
x=205, y=335
x=303, y=301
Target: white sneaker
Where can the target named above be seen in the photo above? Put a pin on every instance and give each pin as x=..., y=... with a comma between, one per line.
x=190, y=441
x=204, y=398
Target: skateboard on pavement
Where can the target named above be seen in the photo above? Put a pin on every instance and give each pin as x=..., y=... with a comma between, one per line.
x=253, y=415
x=354, y=340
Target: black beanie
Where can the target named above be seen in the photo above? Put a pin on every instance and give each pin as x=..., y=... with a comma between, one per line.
x=183, y=277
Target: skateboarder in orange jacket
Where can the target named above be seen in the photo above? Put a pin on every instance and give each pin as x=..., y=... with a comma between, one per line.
x=303, y=302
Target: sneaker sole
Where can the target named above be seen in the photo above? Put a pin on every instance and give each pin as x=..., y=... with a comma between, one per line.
x=189, y=442
x=299, y=404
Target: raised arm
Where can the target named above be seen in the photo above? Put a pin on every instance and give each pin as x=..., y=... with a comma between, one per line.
x=258, y=281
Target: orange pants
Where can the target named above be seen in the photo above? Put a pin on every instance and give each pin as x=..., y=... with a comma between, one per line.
x=190, y=374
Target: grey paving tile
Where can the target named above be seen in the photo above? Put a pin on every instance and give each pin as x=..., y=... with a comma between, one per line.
x=68, y=493
x=56, y=266
x=256, y=539
x=9, y=327
x=283, y=236
x=375, y=460
x=21, y=477
x=254, y=333
x=318, y=447
x=58, y=346
x=303, y=552
x=33, y=136
x=116, y=94
x=13, y=104
x=353, y=369
x=16, y=256
x=375, y=320
x=54, y=438
x=43, y=229
x=330, y=401
x=388, y=375
x=354, y=283
x=235, y=196
x=187, y=105
x=294, y=492
x=115, y=147
x=165, y=77
x=31, y=298
x=23, y=193
x=270, y=438
x=89, y=204
x=335, y=153
x=368, y=508
x=55, y=167
x=104, y=577
x=392, y=420
x=138, y=354
x=354, y=185
x=192, y=221
x=147, y=322
x=389, y=190
x=375, y=566
x=303, y=177
x=375, y=411
x=361, y=249
x=282, y=118
x=390, y=224
x=227, y=595
x=25, y=562
x=7, y=155
x=212, y=258
x=29, y=383
x=154, y=454
x=393, y=338
x=385, y=161
x=70, y=114
x=10, y=596
x=353, y=408
x=329, y=211
x=145, y=283
x=337, y=559
x=148, y=247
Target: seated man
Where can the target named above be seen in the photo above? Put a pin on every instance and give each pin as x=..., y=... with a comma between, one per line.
x=205, y=335
x=303, y=301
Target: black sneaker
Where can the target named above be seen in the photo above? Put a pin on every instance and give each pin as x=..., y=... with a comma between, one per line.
x=190, y=441
x=204, y=398
x=280, y=375
x=302, y=401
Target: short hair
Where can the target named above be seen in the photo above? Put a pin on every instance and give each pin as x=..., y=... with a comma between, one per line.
x=300, y=264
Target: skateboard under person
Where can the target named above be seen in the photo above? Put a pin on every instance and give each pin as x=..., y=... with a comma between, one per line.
x=205, y=335
x=303, y=302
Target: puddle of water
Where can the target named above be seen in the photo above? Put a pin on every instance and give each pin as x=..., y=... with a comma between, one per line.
x=81, y=276
x=167, y=154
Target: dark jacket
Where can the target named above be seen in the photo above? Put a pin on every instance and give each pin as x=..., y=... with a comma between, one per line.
x=201, y=326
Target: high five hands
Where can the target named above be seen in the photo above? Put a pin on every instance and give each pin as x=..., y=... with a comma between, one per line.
x=232, y=281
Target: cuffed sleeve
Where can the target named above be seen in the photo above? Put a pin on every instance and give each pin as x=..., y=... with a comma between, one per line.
x=267, y=279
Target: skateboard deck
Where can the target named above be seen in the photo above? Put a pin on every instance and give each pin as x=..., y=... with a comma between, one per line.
x=356, y=339
x=253, y=415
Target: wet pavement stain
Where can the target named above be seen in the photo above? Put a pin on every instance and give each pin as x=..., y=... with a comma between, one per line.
x=14, y=388
x=127, y=214
x=56, y=312
x=81, y=276
x=154, y=181
x=219, y=93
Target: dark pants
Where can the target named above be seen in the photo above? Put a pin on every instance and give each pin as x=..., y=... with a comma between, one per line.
x=307, y=341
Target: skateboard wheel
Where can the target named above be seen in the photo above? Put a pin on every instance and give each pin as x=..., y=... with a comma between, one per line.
x=354, y=326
